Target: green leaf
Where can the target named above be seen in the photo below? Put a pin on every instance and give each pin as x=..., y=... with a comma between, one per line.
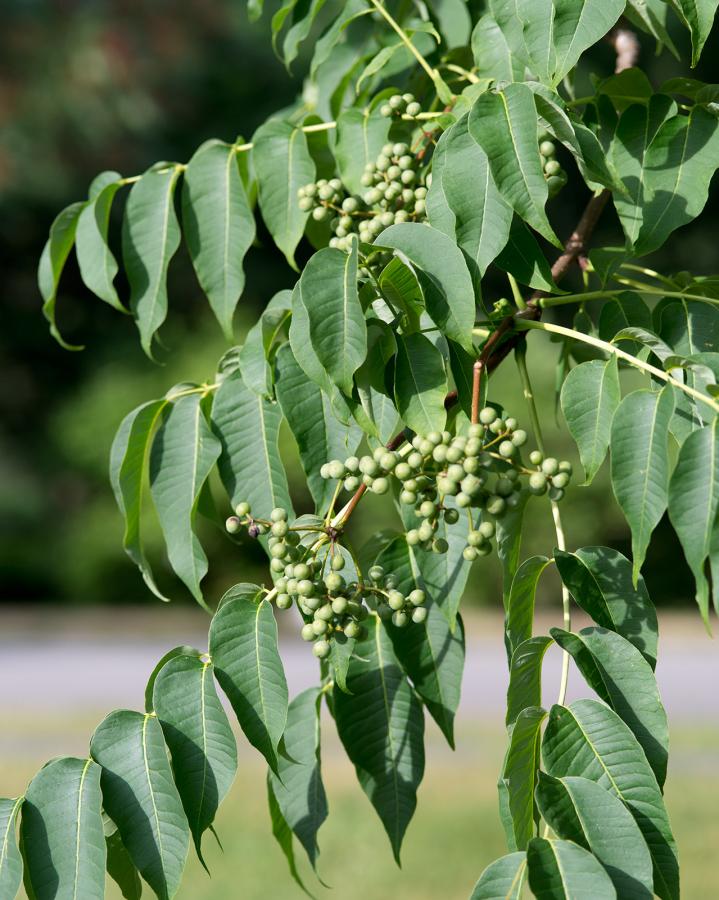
x=128, y=463
x=298, y=787
x=432, y=654
x=62, y=833
x=10, y=859
x=420, y=383
x=509, y=543
x=636, y=129
x=52, y=262
x=139, y=795
x=652, y=16
x=121, y=868
x=698, y=16
x=525, y=676
x=504, y=124
x=183, y=454
x=481, y=218
x=248, y=427
x=244, y=652
x=640, y=463
x=381, y=727
x=589, y=740
x=519, y=773
x=454, y=20
x=257, y=351
x=575, y=28
x=199, y=737
x=694, y=501
x=320, y=436
x=493, y=56
x=150, y=237
x=600, y=580
x=522, y=257
x=590, y=397
x=283, y=165
x=219, y=226
x=520, y=606
x=181, y=650
x=282, y=833
x=448, y=289
x=579, y=810
x=461, y=365
x=562, y=870
x=328, y=291
x=678, y=165
x=98, y=266
x=503, y=879
x=628, y=310
x=361, y=134
x=624, y=680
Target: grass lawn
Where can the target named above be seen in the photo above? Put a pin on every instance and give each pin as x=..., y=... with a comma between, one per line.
x=454, y=834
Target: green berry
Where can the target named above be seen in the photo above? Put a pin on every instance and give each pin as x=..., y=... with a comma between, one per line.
x=279, y=529
x=547, y=149
x=536, y=457
x=319, y=626
x=334, y=581
x=277, y=566
x=351, y=483
x=425, y=532
x=416, y=597
x=368, y=466
x=439, y=454
x=566, y=466
x=308, y=632
x=552, y=167
x=412, y=537
x=470, y=554
x=305, y=588
x=388, y=460
x=556, y=494
x=339, y=606
x=283, y=601
x=312, y=603
x=396, y=101
x=560, y=480
x=376, y=573
x=233, y=524
x=407, y=498
x=413, y=109
x=400, y=619
x=301, y=571
x=537, y=483
x=408, y=177
x=440, y=545
x=321, y=649
x=380, y=486
x=320, y=213
x=486, y=529
x=475, y=538
x=395, y=600
x=242, y=509
x=550, y=466
x=451, y=516
x=427, y=509
x=496, y=506
x=463, y=500
x=324, y=612
x=386, y=110
x=519, y=438
x=419, y=615
x=488, y=415
x=353, y=630
x=338, y=562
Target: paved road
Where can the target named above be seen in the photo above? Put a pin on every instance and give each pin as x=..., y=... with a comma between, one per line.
x=74, y=662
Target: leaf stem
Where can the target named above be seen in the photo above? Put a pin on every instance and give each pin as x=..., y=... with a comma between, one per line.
x=520, y=355
x=525, y=324
x=547, y=302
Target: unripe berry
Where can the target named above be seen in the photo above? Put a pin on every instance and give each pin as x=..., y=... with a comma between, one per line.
x=312, y=603
x=334, y=582
x=547, y=149
x=308, y=632
x=396, y=101
x=321, y=649
x=395, y=600
x=319, y=626
x=339, y=606
x=407, y=498
x=470, y=554
x=440, y=545
x=565, y=466
x=400, y=619
x=352, y=630
x=242, y=509
x=427, y=509
x=487, y=529
x=556, y=494
x=451, y=516
x=351, y=483
x=283, y=601
x=338, y=562
x=416, y=597
x=380, y=486
x=560, y=480
x=550, y=466
x=552, y=167
x=475, y=539
x=419, y=615
x=463, y=500
x=325, y=612
x=496, y=506
x=233, y=524
x=537, y=483
x=488, y=415
x=412, y=537
x=376, y=573
x=519, y=438
x=413, y=109
x=408, y=177
x=386, y=110
x=536, y=457
x=301, y=571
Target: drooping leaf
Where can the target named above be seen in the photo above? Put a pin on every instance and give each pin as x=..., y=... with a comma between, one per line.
x=525, y=676
x=562, y=870
x=219, y=226
x=150, y=237
x=520, y=607
x=62, y=834
x=640, y=463
x=282, y=833
x=121, y=868
x=579, y=810
x=503, y=879
x=183, y=453
x=693, y=504
x=509, y=542
x=244, y=652
x=504, y=124
x=257, y=351
x=519, y=773
x=250, y=466
x=448, y=289
x=320, y=436
x=522, y=257
x=337, y=329
x=589, y=740
x=432, y=654
x=199, y=737
x=139, y=795
x=600, y=580
x=361, y=134
x=481, y=216
x=590, y=397
x=298, y=787
x=10, y=859
x=381, y=726
x=52, y=262
x=420, y=383
x=96, y=261
x=128, y=463
x=623, y=679
x=283, y=165
x=698, y=16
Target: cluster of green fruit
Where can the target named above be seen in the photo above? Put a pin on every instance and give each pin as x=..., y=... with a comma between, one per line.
x=394, y=194
x=554, y=174
x=481, y=470
x=401, y=105
x=306, y=562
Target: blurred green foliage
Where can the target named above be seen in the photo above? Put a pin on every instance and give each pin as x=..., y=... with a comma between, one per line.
x=86, y=86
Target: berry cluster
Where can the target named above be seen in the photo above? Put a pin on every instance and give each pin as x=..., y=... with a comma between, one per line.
x=481, y=470
x=401, y=105
x=394, y=194
x=306, y=562
x=554, y=174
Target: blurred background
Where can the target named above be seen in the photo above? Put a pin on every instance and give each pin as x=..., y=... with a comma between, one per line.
x=118, y=84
